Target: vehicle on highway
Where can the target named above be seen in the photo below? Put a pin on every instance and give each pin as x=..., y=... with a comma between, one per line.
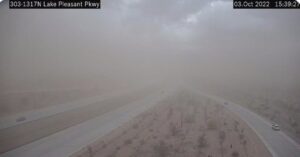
x=275, y=127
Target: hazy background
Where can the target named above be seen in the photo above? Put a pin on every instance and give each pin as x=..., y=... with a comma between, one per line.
x=130, y=42
x=252, y=57
x=135, y=40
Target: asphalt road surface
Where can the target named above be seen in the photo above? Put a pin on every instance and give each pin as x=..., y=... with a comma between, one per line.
x=279, y=144
x=70, y=140
x=10, y=121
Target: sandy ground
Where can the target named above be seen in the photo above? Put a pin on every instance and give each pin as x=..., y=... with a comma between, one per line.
x=182, y=125
x=284, y=111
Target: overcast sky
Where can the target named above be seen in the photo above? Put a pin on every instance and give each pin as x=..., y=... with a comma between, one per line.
x=146, y=39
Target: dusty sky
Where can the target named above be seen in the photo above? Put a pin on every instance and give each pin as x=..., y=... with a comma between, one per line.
x=145, y=40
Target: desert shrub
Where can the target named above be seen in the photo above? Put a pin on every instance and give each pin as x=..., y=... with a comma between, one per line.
x=154, y=137
x=244, y=142
x=190, y=118
x=211, y=125
x=136, y=136
x=128, y=142
x=235, y=154
x=244, y=146
x=174, y=130
x=236, y=126
x=135, y=126
x=222, y=136
x=293, y=123
x=170, y=113
x=298, y=131
x=161, y=150
x=241, y=136
x=142, y=142
x=112, y=155
x=118, y=148
x=104, y=145
x=202, y=142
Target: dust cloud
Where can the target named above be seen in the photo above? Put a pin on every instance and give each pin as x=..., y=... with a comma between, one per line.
x=132, y=43
x=60, y=57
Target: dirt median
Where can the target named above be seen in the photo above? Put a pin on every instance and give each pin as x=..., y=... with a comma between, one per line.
x=182, y=125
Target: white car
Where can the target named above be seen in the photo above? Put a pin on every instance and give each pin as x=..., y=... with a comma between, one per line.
x=275, y=127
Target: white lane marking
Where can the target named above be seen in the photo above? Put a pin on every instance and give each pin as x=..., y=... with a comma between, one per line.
x=10, y=121
x=272, y=151
x=68, y=141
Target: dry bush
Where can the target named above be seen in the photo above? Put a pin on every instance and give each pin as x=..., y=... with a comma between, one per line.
x=190, y=118
x=222, y=136
x=174, y=130
x=245, y=147
x=293, y=122
x=236, y=126
x=161, y=150
x=142, y=142
x=235, y=154
x=128, y=142
x=170, y=113
x=202, y=142
x=211, y=125
x=241, y=136
x=135, y=126
x=154, y=137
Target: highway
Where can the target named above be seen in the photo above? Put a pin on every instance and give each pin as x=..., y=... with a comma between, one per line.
x=72, y=139
x=97, y=122
x=10, y=121
x=51, y=120
x=279, y=144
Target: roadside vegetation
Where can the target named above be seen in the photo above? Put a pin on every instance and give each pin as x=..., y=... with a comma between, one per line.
x=181, y=125
x=281, y=107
